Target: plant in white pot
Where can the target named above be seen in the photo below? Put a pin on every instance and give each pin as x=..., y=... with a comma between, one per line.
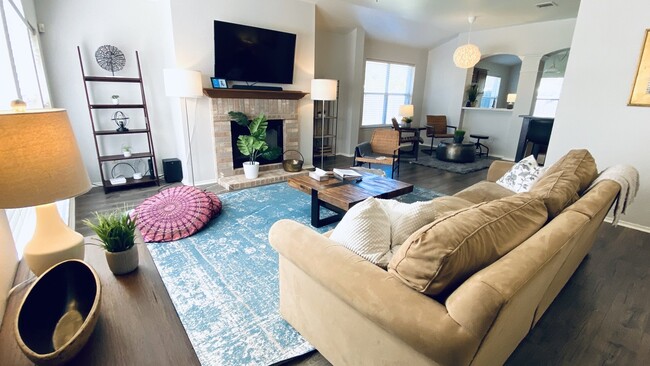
x=126, y=150
x=254, y=145
x=116, y=232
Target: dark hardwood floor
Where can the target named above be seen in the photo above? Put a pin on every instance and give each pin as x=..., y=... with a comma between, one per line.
x=601, y=317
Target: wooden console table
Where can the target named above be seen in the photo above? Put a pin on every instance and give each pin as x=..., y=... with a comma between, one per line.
x=138, y=324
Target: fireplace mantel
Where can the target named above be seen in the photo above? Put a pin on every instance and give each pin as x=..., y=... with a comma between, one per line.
x=254, y=94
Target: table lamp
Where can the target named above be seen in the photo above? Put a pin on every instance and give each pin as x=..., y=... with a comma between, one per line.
x=323, y=89
x=510, y=100
x=406, y=111
x=40, y=165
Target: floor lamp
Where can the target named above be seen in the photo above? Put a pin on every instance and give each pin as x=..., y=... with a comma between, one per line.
x=42, y=164
x=322, y=90
x=184, y=84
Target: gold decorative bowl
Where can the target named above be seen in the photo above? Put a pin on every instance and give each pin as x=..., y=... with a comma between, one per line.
x=59, y=313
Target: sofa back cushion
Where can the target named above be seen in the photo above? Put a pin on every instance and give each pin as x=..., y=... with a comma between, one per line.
x=444, y=253
x=484, y=191
x=558, y=190
x=579, y=163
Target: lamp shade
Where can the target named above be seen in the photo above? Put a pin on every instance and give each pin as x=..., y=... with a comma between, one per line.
x=41, y=162
x=323, y=89
x=406, y=110
x=182, y=83
x=467, y=56
x=511, y=98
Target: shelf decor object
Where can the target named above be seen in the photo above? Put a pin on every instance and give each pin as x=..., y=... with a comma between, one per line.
x=323, y=90
x=467, y=55
x=641, y=88
x=43, y=165
x=184, y=84
x=120, y=119
x=110, y=58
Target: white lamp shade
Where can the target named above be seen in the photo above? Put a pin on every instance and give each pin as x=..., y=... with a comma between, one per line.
x=182, y=83
x=41, y=162
x=511, y=98
x=406, y=110
x=467, y=56
x=323, y=89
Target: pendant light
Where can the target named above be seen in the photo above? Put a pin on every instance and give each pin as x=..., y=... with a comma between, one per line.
x=468, y=55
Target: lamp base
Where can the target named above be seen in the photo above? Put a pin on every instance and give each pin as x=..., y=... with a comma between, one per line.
x=53, y=241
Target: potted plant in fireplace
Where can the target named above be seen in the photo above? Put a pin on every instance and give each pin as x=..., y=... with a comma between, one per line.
x=254, y=145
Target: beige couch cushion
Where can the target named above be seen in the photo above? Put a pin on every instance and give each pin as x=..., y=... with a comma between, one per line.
x=558, y=190
x=443, y=254
x=483, y=192
x=579, y=163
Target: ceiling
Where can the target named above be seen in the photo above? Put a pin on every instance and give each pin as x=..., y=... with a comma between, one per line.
x=428, y=23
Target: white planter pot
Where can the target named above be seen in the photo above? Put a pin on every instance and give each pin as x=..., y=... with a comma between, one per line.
x=251, y=170
x=127, y=154
x=123, y=262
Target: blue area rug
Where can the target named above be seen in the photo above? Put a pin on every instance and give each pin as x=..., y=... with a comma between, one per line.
x=223, y=280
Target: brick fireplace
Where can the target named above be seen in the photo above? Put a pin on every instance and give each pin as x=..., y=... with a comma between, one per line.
x=276, y=105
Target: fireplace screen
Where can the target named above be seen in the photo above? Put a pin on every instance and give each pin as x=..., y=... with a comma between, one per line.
x=274, y=138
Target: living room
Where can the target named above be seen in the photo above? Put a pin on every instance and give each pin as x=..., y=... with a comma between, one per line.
x=604, y=40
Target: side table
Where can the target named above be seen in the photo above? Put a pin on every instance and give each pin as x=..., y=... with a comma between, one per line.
x=455, y=152
x=137, y=325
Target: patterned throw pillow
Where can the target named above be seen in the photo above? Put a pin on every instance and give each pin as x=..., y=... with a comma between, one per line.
x=405, y=219
x=522, y=176
x=365, y=230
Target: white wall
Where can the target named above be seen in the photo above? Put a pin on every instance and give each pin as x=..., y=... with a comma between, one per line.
x=593, y=111
x=193, y=42
x=384, y=51
x=129, y=25
x=446, y=83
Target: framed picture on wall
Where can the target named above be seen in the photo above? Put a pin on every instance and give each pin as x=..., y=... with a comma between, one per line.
x=641, y=89
x=219, y=83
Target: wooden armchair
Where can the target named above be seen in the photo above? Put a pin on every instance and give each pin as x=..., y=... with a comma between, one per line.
x=437, y=127
x=408, y=135
x=382, y=149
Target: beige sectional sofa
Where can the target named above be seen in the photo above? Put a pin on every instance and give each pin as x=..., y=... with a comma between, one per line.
x=356, y=313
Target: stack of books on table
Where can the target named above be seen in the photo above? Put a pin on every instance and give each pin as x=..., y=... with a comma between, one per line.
x=347, y=174
x=320, y=175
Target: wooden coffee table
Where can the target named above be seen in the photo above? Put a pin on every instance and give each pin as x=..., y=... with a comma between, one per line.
x=340, y=196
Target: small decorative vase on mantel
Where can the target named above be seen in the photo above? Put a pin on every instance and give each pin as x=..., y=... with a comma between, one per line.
x=116, y=233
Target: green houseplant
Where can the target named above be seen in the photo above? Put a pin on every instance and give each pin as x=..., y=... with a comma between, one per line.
x=459, y=136
x=116, y=233
x=254, y=145
x=472, y=94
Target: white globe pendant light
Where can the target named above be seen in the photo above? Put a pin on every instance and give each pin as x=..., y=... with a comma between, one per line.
x=467, y=55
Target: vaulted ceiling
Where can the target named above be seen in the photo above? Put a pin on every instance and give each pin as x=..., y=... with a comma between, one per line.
x=427, y=23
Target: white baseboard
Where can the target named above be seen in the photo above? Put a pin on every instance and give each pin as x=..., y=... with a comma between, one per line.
x=630, y=225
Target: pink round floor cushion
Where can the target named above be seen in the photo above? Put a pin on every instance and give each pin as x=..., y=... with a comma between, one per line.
x=176, y=213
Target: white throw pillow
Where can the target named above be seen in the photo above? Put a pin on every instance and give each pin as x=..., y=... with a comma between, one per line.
x=406, y=218
x=365, y=230
x=376, y=228
x=522, y=176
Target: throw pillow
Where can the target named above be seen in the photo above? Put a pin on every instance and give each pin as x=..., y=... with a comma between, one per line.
x=522, y=176
x=558, y=190
x=365, y=230
x=405, y=219
x=577, y=162
x=441, y=255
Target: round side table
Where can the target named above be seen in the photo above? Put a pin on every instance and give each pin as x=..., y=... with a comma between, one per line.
x=456, y=152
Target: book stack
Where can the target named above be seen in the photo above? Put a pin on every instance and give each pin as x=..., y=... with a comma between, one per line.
x=347, y=174
x=320, y=175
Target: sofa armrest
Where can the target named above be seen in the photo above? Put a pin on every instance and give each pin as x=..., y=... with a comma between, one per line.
x=421, y=322
x=497, y=169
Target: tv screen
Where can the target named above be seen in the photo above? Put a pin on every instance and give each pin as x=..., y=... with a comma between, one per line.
x=244, y=53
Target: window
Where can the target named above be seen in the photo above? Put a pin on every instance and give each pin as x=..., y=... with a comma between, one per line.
x=548, y=96
x=490, y=92
x=386, y=87
x=21, y=68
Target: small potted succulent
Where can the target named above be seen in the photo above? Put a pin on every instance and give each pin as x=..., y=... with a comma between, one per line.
x=459, y=136
x=116, y=233
x=116, y=99
x=126, y=150
x=472, y=94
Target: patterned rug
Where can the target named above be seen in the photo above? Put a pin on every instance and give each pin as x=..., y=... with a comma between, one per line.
x=460, y=168
x=223, y=280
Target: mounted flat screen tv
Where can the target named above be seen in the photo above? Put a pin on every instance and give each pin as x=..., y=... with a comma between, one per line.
x=251, y=54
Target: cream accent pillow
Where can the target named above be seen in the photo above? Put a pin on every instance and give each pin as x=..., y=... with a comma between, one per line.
x=365, y=230
x=522, y=175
